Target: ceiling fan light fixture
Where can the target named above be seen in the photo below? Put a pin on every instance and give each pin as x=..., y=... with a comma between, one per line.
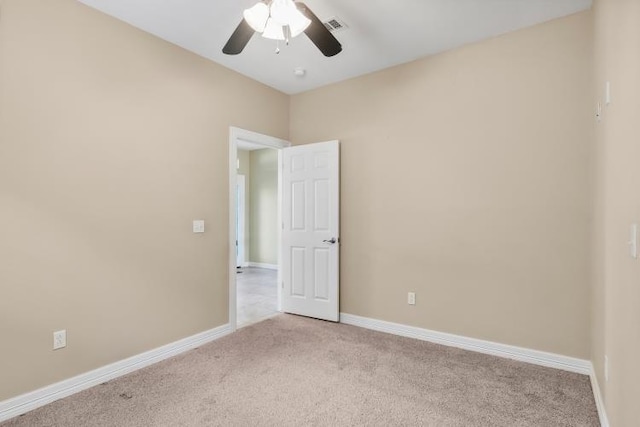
x=257, y=16
x=282, y=11
x=273, y=30
x=281, y=20
x=271, y=18
x=298, y=23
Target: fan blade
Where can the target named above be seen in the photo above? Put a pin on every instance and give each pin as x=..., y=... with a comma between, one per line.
x=238, y=39
x=318, y=33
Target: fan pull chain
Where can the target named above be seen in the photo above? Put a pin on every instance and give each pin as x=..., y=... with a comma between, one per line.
x=287, y=34
x=277, y=47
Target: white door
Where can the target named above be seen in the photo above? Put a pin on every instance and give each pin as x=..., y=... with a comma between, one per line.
x=310, y=234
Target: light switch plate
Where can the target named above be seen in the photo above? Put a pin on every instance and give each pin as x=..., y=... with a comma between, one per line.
x=198, y=226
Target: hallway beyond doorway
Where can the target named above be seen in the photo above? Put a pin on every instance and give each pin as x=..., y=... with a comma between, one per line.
x=257, y=296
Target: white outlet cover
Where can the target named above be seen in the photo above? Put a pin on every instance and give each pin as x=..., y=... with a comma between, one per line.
x=411, y=298
x=59, y=339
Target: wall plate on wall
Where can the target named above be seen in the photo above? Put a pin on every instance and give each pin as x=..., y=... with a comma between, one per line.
x=198, y=226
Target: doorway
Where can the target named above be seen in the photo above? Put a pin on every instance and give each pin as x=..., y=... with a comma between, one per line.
x=255, y=235
x=256, y=277
x=241, y=214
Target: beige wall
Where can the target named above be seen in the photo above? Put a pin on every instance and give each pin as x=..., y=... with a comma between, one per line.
x=264, y=206
x=244, y=160
x=107, y=154
x=111, y=142
x=466, y=177
x=616, y=302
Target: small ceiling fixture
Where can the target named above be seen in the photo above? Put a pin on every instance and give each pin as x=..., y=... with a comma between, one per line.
x=277, y=19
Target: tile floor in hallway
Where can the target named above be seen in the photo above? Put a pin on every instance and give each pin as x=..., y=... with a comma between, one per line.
x=257, y=294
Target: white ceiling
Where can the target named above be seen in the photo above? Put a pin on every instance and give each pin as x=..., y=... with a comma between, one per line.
x=381, y=33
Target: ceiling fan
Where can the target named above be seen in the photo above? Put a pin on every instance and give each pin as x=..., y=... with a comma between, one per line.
x=281, y=20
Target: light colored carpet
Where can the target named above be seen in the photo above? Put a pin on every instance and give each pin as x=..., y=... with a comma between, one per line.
x=294, y=371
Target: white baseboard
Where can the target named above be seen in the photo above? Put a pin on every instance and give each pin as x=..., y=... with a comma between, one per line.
x=263, y=265
x=29, y=401
x=536, y=357
x=521, y=354
x=597, y=395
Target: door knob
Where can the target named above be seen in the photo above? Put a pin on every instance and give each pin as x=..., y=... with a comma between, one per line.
x=332, y=240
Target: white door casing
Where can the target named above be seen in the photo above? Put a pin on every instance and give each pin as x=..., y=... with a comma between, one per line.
x=310, y=235
x=237, y=135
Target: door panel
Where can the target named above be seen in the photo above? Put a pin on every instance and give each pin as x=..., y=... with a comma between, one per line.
x=321, y=277
x=321, y=204
x=298, y=206
x=297, y=272
x=310, y=235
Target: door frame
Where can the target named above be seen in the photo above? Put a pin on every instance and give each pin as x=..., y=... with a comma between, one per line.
x=237, y=134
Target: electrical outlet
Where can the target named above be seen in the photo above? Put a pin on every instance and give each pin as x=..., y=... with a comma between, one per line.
x=59, y=339
x=606, y=368
x=411, y=298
